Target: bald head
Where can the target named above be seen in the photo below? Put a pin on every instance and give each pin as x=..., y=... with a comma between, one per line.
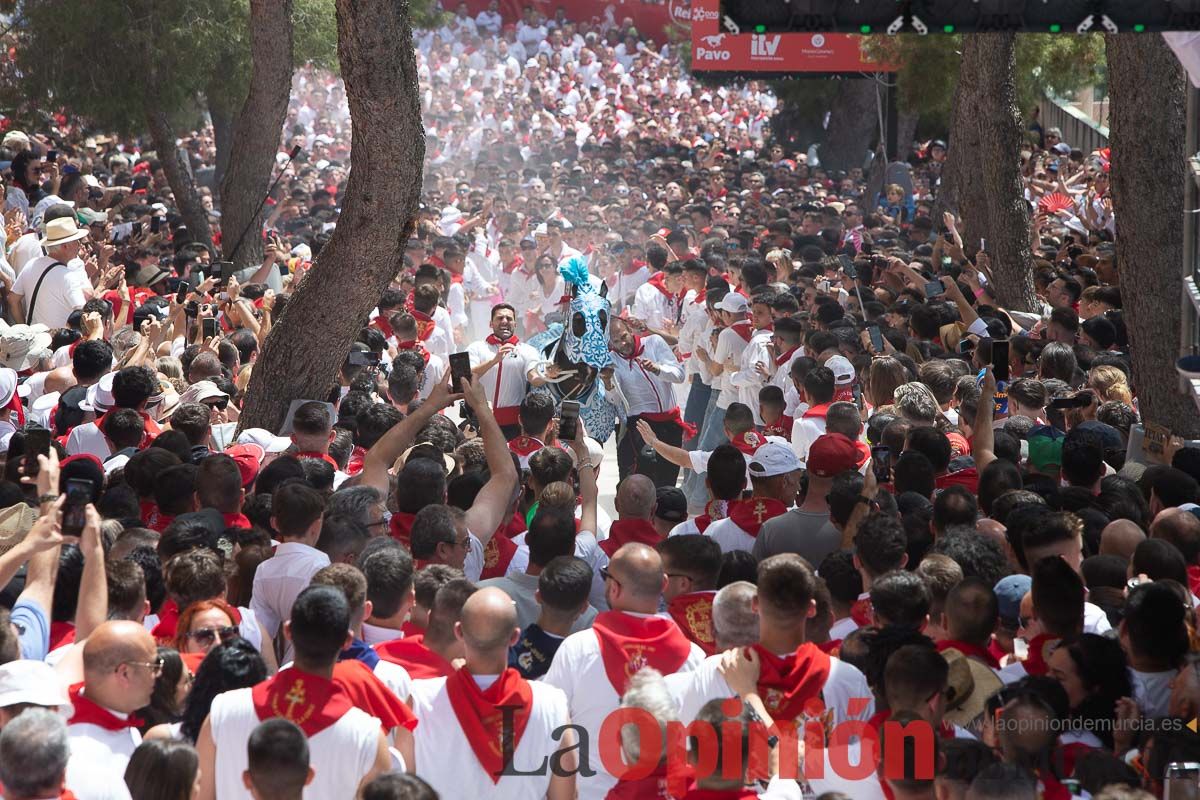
x=635, y=497
x=114, y=643
x=1120, y=538
x=489, y=621
x=639, y=570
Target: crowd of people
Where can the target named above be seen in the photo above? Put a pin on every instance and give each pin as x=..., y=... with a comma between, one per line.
x=854, y=489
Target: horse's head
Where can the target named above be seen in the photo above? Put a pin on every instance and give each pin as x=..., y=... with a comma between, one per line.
x=585, y=330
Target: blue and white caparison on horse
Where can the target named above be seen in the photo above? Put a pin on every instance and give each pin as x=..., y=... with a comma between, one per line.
x=580, y=350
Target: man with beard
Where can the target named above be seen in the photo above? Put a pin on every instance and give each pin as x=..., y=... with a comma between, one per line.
x=501, y=363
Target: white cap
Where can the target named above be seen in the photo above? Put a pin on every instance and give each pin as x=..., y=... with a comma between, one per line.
x=734, y=303
x=31, y=683
x=773, y=458
x=8, y=385
x=264, y=439
x=842, y=369
x=99, y=395
x=200, y=391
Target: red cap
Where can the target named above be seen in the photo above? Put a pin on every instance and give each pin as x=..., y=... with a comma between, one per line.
x=832, y=454
x=249, y=458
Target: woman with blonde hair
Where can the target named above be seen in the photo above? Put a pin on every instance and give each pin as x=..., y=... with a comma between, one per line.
x=1109, y=382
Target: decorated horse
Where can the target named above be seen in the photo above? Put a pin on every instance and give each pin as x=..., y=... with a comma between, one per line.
x=576, y=350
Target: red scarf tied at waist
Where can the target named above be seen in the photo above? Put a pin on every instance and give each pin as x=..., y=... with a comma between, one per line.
x=479, y=714
x=629, y=643
x=689, y=430
x=313, y=703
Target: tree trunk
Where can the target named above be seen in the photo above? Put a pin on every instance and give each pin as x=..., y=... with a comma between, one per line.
x=308, y=344
x=222, y=122
x=853, y=125
x=960, y=190
x=1146, y=133
x=1007, y=220
x=256, y=131
x=187, y=199
x=906, y=130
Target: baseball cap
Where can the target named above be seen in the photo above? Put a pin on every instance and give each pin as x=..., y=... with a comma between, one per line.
x=842, y=369
x=1109, y=436
x=269, y=442
x=1045, y=447
x=1009, y=592
x=773, y=458
x=734, y=303
x=1063, y=149
x=28, y=682
x=832, y=454
x=672, y=504
x=249, y=458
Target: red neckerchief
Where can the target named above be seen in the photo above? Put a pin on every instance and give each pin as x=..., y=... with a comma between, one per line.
x=861, y=612
x=67, y=794
x=497, y=555
x=414, y=345
x=412, y=654
x=788, y=683
x=372, y=695
x=638, y=349
x=328, y=459
x=818, y=412
x=748, y=442
x=310, y=701
x=624, y=531
x=455, y=277
x=168, y=621
x=150, y=429
x=628, y=643
x=525, y=445
x=996, y=650
x=720, y=794
x=237, y=519
x=383, y=326
x=1040, y=647
x=514, y=527
x=784, y=358
x=357, y=457
x=831, y=647
x=147, y=509
x=437, y=261
x=749, y=515
x=410, y=629
x=479, y=715
x=970, y=651
x=425, y=325
x=61, y=634
x=780, y=427
x=138, y=295
x=702, y=522
x=88, y=712
x=518, y=261
x=692, y=612
x=400, y=527
x=496, y=341
x=743, y=329
x=659, y=281
x=14, y=405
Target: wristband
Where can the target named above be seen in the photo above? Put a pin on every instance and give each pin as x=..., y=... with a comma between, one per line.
x=582, y=464
x=47, y=498
x=862, y=498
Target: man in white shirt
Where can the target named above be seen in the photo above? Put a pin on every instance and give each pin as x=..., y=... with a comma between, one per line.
x=120, y=665
x=722, y=361
x=629, y=276
x=644, y=371
x=64, y=284
x=501, y=363
x=593, y=667
x=296, y=513
x=348, y=747
x=775, y=474
x=489, y=20
x=756, y=359
x=658, y=302
x=408, y=339
x=793, y=671
x=461, y=722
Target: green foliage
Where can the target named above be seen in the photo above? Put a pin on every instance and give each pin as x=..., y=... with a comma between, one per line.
x=928, y=68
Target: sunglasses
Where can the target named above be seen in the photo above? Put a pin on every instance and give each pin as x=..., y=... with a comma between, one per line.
x=220, y=403
x=207, y=636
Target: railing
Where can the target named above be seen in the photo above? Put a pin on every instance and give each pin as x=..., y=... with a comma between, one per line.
x=1078, y=129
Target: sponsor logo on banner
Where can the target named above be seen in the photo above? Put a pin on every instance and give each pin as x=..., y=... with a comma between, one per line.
x=764, y=47
x=817, y=46
x=681, y=12
x=704, y=54
x=714, y=40
x=703, y=15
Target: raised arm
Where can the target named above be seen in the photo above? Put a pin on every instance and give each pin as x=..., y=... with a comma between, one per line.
x=676, y=455
x=983, y=444
x=92, y=608
x=588, y=491
x=383, y=455
x=492, y=502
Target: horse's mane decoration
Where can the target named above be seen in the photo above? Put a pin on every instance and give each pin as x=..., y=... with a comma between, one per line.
x=580, y=349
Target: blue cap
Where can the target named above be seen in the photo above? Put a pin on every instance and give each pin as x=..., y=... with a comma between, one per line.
x=1009, y=592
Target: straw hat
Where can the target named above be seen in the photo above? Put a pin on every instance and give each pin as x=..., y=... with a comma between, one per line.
x=15, y=523
x=62, y=231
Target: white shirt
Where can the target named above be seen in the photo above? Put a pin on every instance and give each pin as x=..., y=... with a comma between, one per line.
x=1095, y=620
x=446, y=761
x=279, y=580
x=726, y=533
x=730, y=345
x=505, y=384
x=87, y=438
x=746, y=380
x=96, y=769
x=586, y=547
x=694, y=334
x=805, y=431
x=377, y=634
x=578, y=670
x=1152, y=691
x=340, y=755
x=844, y=685
x=64, y=290
x=655, y=308
x=646, y=392
x=435, y=368
x=626, y=287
